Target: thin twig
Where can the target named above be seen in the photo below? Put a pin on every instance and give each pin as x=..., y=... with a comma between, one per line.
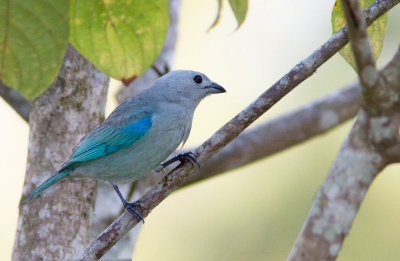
x=16, y=101
x=361, y=47
x=227, y=133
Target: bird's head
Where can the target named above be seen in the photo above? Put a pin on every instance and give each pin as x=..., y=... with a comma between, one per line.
x=189, y=85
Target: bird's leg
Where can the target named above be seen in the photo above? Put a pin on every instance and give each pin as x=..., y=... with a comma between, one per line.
x=183, y=158
x=130, y=206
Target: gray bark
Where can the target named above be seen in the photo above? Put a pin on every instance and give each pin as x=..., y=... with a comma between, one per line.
x=372, y=144
x=56, y=225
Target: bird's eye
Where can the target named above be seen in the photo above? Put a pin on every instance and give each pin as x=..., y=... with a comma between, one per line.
x=197, y=79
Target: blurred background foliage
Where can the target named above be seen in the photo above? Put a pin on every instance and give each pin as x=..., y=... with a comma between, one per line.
x=255, y=212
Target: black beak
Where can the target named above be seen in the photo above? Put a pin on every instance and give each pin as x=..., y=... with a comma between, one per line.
x=214, y=88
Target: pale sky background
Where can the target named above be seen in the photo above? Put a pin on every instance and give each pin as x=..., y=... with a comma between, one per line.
x=253, y=213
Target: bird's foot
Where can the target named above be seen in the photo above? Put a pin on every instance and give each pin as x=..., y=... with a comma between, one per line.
x=131, y=207
x=183, y=158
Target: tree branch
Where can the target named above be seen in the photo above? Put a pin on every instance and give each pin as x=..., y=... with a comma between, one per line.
x=361, y=47
x=227, y=133
x=283, y=132
x=16, y=100
x=373, y=143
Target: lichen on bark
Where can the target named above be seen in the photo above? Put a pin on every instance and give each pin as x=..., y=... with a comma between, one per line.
x=56, y=225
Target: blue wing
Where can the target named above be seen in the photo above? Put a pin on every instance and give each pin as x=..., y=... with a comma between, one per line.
x=106, y=139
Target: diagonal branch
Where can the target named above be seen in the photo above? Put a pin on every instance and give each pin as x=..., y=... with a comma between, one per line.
x=299, y=125
x=278, y=134
x=16, y=101
x=227, y=133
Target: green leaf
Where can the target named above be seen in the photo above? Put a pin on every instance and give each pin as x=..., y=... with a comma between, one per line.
x=376, y=31
x=239, y=8
x=33, y=40
x=121, y=38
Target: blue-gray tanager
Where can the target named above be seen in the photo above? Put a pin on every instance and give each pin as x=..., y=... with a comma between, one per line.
x=139, y=134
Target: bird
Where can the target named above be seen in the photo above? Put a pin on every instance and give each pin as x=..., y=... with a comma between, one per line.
x=138, y=135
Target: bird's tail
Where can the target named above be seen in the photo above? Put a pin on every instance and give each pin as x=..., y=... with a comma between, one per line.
x=50, y=181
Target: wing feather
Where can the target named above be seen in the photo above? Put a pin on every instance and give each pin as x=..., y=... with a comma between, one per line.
x=106, y=139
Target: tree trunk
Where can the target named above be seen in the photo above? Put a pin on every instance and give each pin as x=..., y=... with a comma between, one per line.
x=56, y=225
